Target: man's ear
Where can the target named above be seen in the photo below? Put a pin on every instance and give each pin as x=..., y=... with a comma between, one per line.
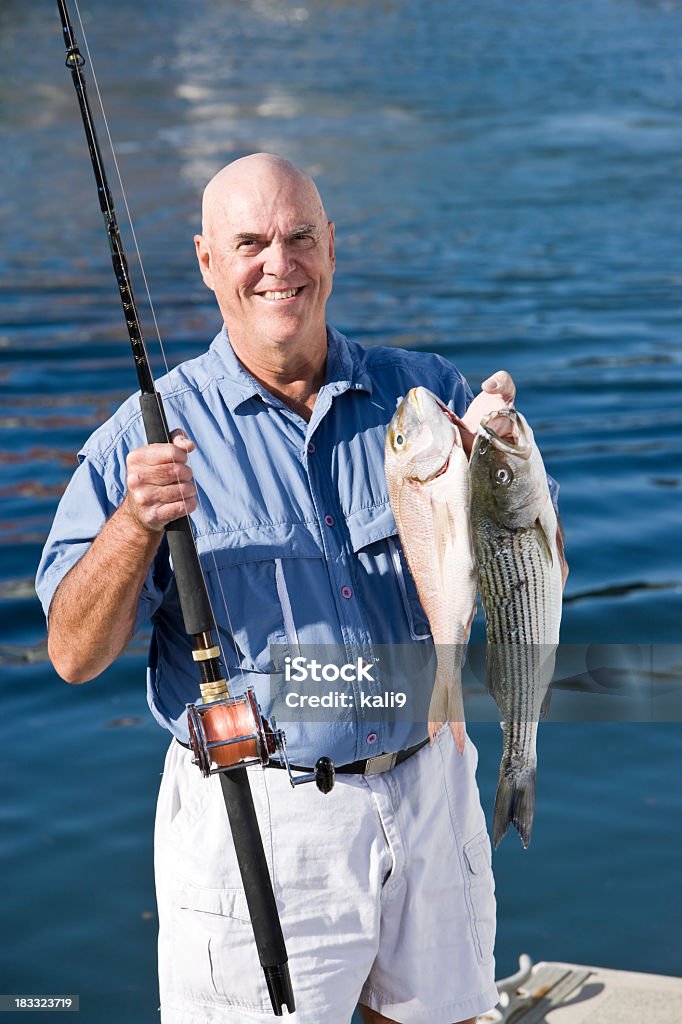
x=204, y=259
x=332, y=255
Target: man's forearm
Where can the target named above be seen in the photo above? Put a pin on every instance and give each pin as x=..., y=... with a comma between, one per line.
x=92, y=614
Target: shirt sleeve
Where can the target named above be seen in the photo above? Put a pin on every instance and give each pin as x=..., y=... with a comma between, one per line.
x=94, y=493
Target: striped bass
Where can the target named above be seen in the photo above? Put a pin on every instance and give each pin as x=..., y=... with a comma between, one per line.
x=514, y=529
x=428, y=486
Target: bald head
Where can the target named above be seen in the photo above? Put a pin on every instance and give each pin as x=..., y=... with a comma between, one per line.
x=267, y=252
x=250, y=180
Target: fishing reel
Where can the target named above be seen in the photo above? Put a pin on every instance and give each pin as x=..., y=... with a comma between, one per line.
x=230, y=732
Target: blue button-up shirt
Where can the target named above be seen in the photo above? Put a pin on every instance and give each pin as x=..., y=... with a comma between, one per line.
x=294, y=531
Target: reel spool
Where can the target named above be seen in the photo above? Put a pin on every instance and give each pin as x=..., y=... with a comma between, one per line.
x=231, y=732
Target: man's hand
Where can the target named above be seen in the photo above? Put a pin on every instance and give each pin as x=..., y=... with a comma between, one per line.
x=93, y=611
x=160, y=483
x=497, y=392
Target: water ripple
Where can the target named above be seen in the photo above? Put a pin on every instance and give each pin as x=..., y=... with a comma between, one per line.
x=505, y=184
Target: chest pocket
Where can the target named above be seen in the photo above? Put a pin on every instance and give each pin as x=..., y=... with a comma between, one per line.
x=246, y=578
x=374, y=538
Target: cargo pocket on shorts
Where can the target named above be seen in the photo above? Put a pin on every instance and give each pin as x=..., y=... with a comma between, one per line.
x=480, y=888
x=215, y=949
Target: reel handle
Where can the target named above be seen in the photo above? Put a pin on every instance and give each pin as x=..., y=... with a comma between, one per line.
x=324, y=775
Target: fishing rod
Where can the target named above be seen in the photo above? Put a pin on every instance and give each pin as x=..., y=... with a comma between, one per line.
x=226, y=733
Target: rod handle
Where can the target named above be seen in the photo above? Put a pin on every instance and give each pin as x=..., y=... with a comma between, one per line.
x=196, y=608
x=260, y=898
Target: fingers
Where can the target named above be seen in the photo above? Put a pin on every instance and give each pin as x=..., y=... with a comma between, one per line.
x=497, y=392
x=158, y=474
x=501, y=384
x=182, y=441
x=160, y=483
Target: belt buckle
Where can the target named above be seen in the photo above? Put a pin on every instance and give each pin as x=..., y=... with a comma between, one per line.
x=380, y=763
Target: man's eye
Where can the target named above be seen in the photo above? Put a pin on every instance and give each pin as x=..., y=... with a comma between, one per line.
x=303, y=241
x=248, y=243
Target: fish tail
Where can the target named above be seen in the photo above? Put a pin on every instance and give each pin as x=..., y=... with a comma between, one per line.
x=515, y=802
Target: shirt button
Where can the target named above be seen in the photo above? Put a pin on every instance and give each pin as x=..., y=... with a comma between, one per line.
x=311, y=448
x=372, y=738
x=346, y=592
x=329, y=520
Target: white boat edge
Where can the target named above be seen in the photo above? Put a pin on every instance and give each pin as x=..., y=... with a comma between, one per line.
x=552, y=992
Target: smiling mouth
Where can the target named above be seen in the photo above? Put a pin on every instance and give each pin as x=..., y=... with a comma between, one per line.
x=290, y=293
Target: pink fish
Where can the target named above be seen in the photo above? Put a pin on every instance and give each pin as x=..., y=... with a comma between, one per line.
x=427, y=472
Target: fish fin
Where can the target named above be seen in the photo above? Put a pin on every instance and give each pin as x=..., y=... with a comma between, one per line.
x=560, y=540
x=398, y=515
x=459, y=734
x=489, y=675
x=546, y=528
x=457, y=728
x=452, y=526
x=456, y=708
x=544, y=541
x=494, y=671
x=546, y=678
x=546, y=701
x=434, y=728
x=467, y=632
x=447, y=702
x=441, y=531
x=515, y=803
x=438, y=708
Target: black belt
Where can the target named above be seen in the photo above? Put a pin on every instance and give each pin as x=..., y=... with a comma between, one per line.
x=365, y=766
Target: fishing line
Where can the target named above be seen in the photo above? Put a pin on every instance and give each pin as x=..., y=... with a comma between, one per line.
x=166, y=366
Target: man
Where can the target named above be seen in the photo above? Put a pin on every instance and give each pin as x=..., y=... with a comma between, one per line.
x=384, y=886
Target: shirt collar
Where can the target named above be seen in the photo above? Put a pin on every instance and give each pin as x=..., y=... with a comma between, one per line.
x=345, y=370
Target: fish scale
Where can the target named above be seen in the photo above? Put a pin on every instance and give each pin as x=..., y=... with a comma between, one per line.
x=519, y=578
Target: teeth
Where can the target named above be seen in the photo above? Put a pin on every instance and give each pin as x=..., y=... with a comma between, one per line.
x=289, y=294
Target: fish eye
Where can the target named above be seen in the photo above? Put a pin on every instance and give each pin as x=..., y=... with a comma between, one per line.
x=399, y=440
x=503, y=476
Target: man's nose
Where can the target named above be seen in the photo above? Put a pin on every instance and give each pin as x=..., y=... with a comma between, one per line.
x=278, y=260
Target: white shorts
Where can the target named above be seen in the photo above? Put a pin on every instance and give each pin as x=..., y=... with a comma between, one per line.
x=384, y=889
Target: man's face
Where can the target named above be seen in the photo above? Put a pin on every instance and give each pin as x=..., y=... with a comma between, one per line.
x=268, y=254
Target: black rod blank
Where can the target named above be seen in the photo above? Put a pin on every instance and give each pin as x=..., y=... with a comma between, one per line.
x=195, y=603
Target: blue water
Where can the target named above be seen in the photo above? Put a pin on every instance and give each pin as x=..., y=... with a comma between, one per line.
x=505, y=180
